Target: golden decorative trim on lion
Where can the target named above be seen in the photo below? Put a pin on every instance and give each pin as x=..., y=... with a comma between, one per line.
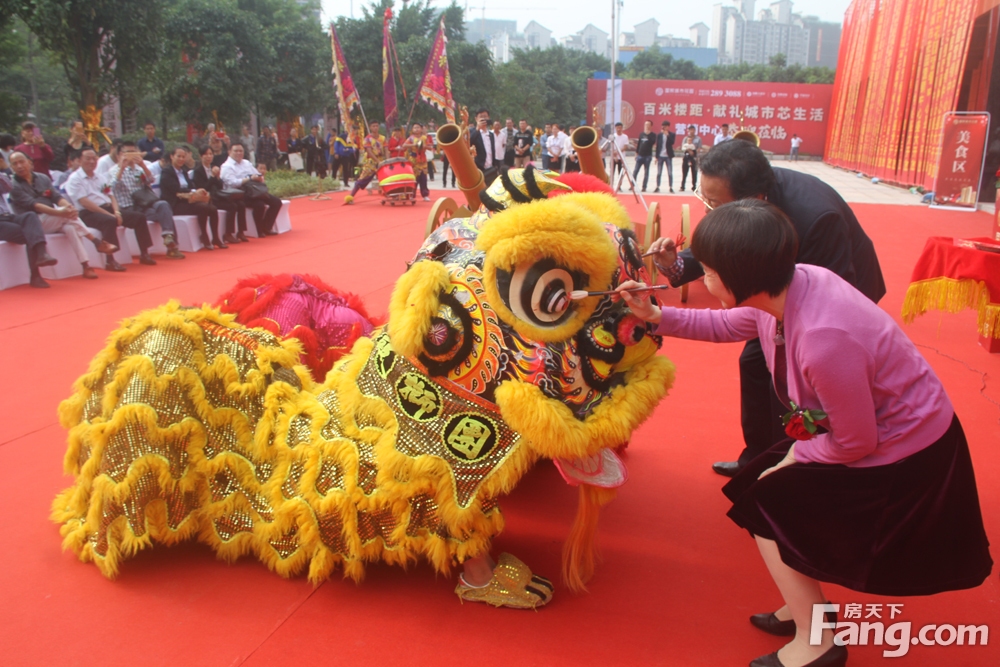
x=189, y=425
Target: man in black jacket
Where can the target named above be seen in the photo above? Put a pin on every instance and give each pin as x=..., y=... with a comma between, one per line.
x=665, y=154
x=316, y=150
x=488, y=156
x=829, y=236
x=644, y=153
x=184, y=199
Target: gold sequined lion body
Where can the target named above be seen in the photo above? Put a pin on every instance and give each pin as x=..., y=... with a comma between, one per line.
x=190, y=426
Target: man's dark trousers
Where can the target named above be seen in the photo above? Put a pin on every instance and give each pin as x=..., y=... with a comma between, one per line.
x=760, y=408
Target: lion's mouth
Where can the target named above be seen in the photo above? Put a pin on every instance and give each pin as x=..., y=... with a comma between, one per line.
x=553, y=429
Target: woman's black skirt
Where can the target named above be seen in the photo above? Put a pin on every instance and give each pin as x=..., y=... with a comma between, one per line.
x=912, y=527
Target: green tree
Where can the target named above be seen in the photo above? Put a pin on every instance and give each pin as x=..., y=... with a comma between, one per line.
x=654, y=64
x=30, y=81
x=521, y=94
x=777, y=72
x=102, y=45
x=216, y=61
x=299, y=76
x=564, y=73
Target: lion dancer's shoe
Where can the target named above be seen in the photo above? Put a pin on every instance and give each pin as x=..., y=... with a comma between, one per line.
x=513, y=585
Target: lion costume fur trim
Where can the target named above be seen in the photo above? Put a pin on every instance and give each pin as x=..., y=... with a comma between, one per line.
x=105, y=519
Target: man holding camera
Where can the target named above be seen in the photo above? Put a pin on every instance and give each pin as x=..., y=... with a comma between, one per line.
x=128, y=178
x=484, y=142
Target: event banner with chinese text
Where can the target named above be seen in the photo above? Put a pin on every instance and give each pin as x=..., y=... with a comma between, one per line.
x=775, y=111
x=960, y=168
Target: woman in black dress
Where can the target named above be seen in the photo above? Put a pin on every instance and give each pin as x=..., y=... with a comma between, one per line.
x=206, y=176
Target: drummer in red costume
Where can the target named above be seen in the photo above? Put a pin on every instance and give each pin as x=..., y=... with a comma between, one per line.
x=397, y=143
x=373, y=151
x=418, y=144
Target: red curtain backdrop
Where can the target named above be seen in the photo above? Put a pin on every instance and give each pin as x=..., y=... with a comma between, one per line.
x=900, y=69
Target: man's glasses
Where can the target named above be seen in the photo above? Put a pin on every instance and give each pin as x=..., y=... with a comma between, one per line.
x=703, y=199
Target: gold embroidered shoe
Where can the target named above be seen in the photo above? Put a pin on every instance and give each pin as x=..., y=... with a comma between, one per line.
x=513, y=585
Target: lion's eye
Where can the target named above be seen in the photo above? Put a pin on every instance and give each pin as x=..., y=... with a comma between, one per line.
x=539, y=293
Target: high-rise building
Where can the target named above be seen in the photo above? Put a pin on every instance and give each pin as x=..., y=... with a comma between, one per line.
x=501, y=36
x=699, y=35
x=743, y=38
x=718, y=37
x=537, y=36
x=824, y=42
x=592, y=39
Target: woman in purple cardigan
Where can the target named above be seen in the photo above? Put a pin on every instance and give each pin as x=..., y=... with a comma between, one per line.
x=874, y=490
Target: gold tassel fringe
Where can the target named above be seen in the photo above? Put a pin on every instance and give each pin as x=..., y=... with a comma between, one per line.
x=952, y=295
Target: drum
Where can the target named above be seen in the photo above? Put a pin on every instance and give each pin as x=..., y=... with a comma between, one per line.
x=395, y=174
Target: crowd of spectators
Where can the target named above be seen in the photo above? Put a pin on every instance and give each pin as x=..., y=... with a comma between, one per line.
x=73, y=190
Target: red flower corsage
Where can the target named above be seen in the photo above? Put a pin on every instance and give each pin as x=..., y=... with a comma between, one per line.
x=142, y=177
x=801, y=423
x=106, y=189
x=47, y=194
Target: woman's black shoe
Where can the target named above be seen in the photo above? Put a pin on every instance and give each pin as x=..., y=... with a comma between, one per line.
x=835, y=657
x=206, y=244
x=770, y=624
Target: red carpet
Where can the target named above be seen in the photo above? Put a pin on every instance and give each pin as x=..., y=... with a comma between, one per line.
x=678, y=578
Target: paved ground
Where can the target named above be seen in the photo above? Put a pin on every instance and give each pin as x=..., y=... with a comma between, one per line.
x=852, y=188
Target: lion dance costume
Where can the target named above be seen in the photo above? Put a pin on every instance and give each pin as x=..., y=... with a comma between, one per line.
x=191, y=425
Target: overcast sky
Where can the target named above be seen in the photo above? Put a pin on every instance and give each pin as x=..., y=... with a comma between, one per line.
x=564, y=17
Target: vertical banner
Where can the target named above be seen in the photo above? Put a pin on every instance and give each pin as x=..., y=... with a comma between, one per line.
x=960, y=167
x=435, y=86
x=343, y=84
x=388, y=80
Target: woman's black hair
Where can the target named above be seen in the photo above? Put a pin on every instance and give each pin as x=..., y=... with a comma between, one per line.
x=205, y=149
x=751, y=244
x=742, y=165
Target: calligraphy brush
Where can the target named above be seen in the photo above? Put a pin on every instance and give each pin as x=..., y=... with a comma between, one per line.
x=583, y=294
x=678, y=242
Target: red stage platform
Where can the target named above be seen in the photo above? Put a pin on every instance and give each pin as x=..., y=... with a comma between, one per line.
x=678, y=579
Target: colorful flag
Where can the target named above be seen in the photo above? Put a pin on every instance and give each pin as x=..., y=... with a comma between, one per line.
x=343, y=84
x=388, y=80
x=435, y=86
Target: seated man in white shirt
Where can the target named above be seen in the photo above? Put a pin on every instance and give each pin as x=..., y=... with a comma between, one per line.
x=236, y=172
x=106, y=162
x=98, y=208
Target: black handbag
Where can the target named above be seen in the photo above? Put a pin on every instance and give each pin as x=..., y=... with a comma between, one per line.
x=144, y=198
x=230, y=194
x=255, y=189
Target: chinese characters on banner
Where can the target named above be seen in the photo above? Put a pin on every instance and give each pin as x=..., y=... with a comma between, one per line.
x=775, y=111
x=960, y=167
